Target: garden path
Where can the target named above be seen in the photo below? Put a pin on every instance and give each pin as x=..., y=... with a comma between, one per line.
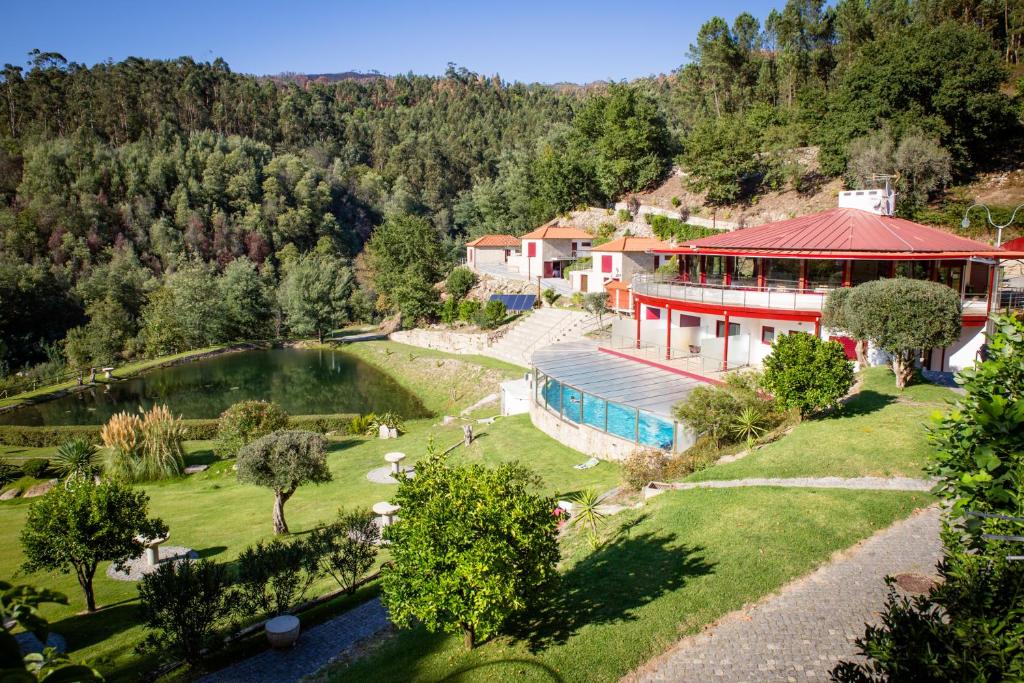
x=860, y=483
x=315, y=648
x=801, y=632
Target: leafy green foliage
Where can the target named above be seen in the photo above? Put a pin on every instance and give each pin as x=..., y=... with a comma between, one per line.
x=643, y=466
x=246, y=421
x=586, y=514
x=979, y=442
x=715, y=412
x=492, y=314
x=183, y=603
x=722, y=155
x=35, y=468
x=315, y=294
x=472, y=548
x=669, y=229
x=459, y=282
x=902, y=316
x=77, y=459
x=8, y=472
x=806, y=373
x=469, y=310
x=551, y=296
x=407, y=259
x=389, y=419
x=273, y=577
x=283, y=461
x=76, y=526
x=346, y=548
x=596, y=303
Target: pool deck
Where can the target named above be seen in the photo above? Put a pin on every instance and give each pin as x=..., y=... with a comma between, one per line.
x=616, y=378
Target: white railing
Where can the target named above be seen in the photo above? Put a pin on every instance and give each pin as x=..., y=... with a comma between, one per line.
x=776, y=294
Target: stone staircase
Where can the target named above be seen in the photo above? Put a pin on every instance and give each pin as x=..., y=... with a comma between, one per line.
x=542, y=327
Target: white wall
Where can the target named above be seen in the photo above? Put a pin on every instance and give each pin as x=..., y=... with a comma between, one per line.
x=485, y=255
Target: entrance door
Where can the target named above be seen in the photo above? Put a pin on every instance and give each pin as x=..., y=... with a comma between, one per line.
x=549, y=269
x=583, y=283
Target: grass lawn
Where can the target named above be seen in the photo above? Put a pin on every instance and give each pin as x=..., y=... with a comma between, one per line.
x=880, y=432
x=214, y=514
x=679, y=563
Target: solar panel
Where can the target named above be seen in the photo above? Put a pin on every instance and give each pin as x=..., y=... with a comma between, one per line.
x=515, y=302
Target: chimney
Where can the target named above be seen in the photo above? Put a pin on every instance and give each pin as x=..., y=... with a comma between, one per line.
x=878, y=201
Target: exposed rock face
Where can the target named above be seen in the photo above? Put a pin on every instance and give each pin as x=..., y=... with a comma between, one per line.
x=40, y=489
x=10, y=494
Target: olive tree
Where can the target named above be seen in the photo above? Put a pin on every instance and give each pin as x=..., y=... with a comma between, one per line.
x=282, y=462
x=76, y=526
x=833, y=316
x=903, y=317
x=471, y=548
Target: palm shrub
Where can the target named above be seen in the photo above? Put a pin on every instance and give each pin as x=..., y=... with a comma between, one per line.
x=246, y=421
x=749, y=425
x=76, y=459
x=585, y=514
x=360, y=424
x=182, y=605
x=389, y=419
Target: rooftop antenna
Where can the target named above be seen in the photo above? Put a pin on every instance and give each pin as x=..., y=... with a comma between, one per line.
x=888, y=202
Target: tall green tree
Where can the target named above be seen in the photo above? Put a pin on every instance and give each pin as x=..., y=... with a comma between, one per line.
x=407, y=260
x=315, y=293
x=244, y=300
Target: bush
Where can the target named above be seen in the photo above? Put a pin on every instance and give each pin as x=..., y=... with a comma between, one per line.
x=806, y=373
x=716, y=412
x=246, y=421
x=669, y=229
x=321, y=424
x=35, y=468
x=469, y=310
x=389, y=419
x=182, y=604
x=642, y=467
x=676, y=201
x=551, y=296
x=346, y=548
x=8, y=472
x=449, y=311
x=144, y=448
x=459, y=282
x=77, y=459
x=273, y=577
x=492, y=315
x=360, y=424
x=625, y=216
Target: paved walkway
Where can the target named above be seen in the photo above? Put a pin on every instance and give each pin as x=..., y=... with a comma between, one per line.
x=316, y=648
x=801, y=632
x=864, y=483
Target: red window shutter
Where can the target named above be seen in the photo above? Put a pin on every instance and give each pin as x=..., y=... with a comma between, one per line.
x=606, y=263
x=653, y=313
x=531, y=249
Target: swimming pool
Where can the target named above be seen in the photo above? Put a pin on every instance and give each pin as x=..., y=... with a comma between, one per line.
x=627, y=422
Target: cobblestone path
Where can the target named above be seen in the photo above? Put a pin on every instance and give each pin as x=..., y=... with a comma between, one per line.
x=801, y=632
x=314, y=650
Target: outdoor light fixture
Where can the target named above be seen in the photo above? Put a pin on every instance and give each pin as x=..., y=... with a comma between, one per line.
x=966, y=222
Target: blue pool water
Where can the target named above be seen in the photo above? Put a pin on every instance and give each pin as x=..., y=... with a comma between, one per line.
x=622, y=421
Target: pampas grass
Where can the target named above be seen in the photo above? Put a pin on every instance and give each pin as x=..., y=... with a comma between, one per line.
x=144, y=447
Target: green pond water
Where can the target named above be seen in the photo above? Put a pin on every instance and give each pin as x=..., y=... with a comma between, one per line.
x=303, y=382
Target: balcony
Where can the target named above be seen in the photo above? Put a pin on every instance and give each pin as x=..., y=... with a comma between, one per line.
x=776, y=294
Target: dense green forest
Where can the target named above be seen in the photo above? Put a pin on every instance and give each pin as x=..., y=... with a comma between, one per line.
x=151, y=206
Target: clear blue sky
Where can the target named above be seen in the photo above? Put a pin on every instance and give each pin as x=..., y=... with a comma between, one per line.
x=525, y=40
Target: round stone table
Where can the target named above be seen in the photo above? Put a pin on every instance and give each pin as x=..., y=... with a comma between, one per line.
x=386, y=511
x=282, y=631
x=395, y=458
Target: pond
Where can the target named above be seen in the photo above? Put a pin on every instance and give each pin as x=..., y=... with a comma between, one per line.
x=302, y=381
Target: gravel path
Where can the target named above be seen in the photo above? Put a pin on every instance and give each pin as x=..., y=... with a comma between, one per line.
x=316, y=648
x=801, y=632
x=866, y=483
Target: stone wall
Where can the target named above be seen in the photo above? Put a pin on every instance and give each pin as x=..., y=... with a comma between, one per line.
x=586, y=440
x=448, y=341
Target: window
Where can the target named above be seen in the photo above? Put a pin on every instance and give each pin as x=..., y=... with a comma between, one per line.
x=653, y=313
x=606, y=263
x=688, y=320
x=767, y=334
x=531, y=249
x=734, y=329
x=471, y=254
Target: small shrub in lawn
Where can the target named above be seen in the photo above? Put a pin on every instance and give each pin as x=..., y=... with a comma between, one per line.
x=182, y=605
x=346, y=549
x=35, y=468
x=8, y=472
x=642, y=467
x=625, y=216
x=806, y=373
x=360, y=424
x=144, y=448
x=389, y=419
x=492, y=315
x=676, y=201
x=469, y=310
x=273, y=577
x=77, y=459
x=246, y=421
x=551, y=296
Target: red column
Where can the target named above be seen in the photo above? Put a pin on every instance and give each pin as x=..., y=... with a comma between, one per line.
x=760, y=273
x=703, y=270
x=847, y=273
x=817, y=327
x=725, y=347
x=802, y=285
x=727, y=277
x=668, y=333
x=991, y=286
x=636, y=312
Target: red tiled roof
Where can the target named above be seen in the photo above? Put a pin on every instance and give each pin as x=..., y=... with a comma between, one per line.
x=557, y=233
x=631, y=244
x=615, y=284
x=838, y=231
x=503, y=241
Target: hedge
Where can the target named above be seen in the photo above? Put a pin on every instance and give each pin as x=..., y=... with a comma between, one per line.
x=195, y=430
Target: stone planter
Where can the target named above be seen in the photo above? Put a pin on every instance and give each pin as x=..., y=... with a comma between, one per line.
x=283, y=631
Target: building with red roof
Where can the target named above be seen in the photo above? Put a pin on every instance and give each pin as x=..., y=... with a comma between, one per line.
x=619, y=260
x=735, y=292
x=547, y=250
x=491, y=249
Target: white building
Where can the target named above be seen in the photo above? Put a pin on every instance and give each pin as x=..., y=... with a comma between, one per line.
x=620, y=260
x=491, y=250
x=549, y=249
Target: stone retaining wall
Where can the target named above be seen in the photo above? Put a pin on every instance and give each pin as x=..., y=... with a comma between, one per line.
x=586, y=440
x=443, y=340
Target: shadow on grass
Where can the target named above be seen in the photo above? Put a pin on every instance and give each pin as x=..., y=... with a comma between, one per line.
x=203, y=457
x=867, y=401
x=609, y=584
x=344, y=444
x=212, y=551
x=83, y=630
x=522, y=664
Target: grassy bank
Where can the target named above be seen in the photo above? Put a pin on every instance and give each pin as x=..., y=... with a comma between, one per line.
x=880, y=432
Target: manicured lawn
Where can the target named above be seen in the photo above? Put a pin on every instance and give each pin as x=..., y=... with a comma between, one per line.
x=214, y=514
x=679, y=563
x=880, y=432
